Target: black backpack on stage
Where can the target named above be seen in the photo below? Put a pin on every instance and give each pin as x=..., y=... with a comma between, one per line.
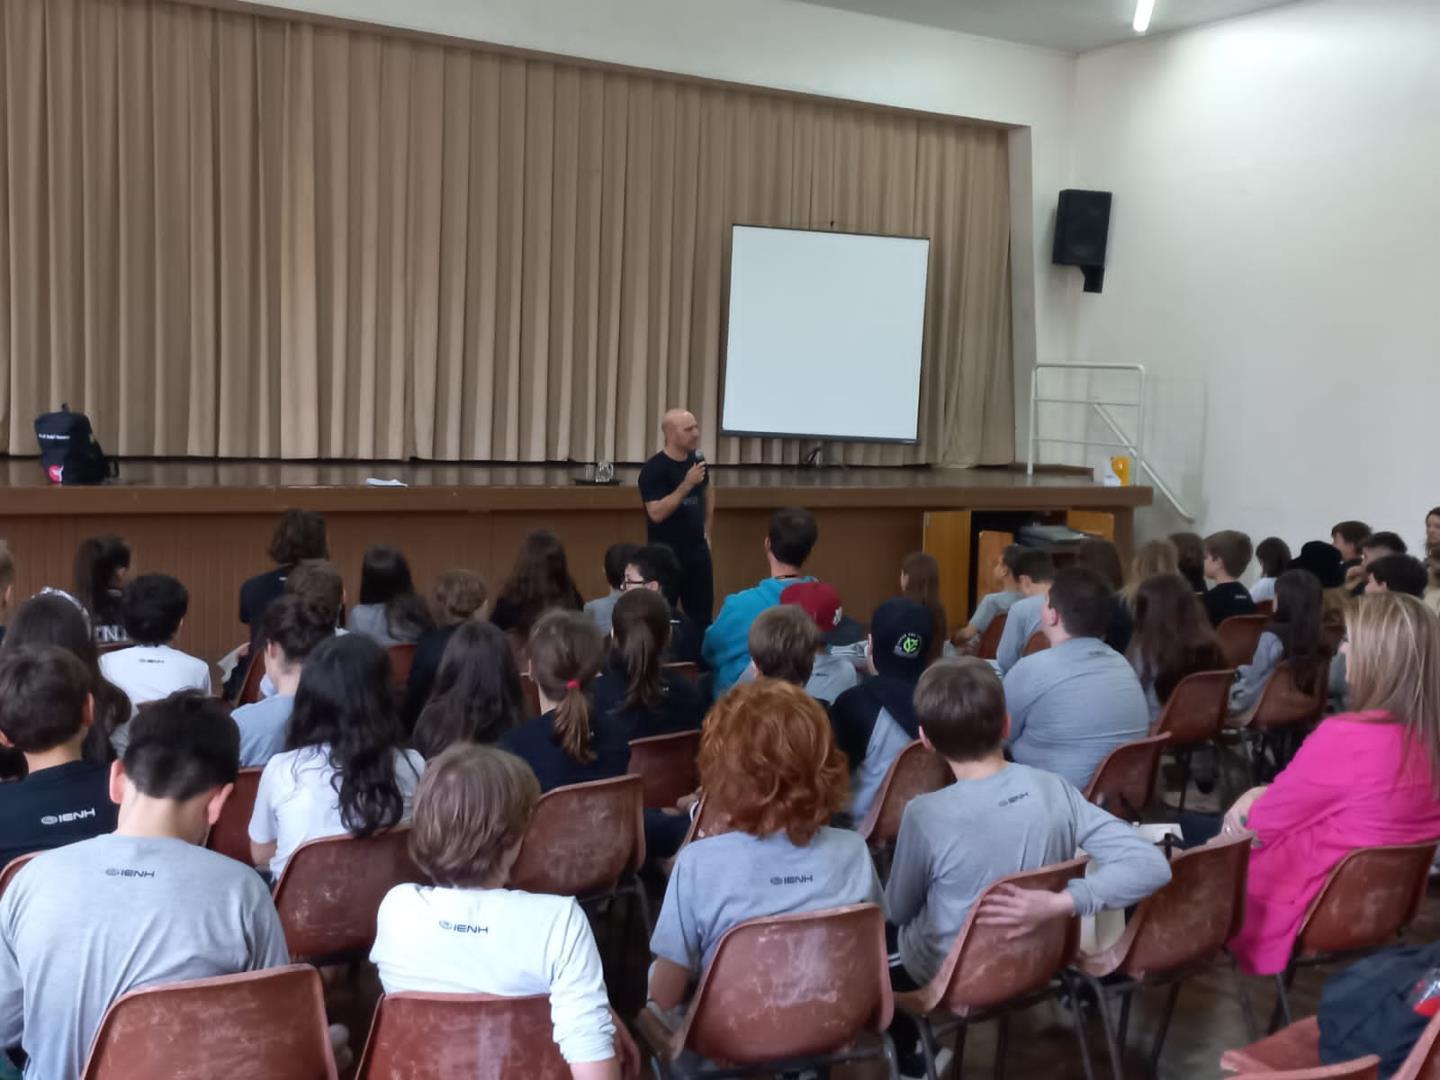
x=69, y=453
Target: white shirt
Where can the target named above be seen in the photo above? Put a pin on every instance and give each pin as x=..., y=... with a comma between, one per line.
x=297, y=800
x=503, y=942
x=1264, y=589
x=151, y=672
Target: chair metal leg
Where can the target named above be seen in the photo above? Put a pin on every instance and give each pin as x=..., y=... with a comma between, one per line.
x=1160, y=1033
x=927, y=1044
x=1114, y=1041
x=892, y=1059
x=1184, y=756
x=1281, y=1016
x=1125, y=1003
x=1002, y=1044
x=1077, y=1019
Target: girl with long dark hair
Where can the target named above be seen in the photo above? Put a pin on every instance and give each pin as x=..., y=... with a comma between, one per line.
x=389, y=611
x=1295, y=634
x=920, y=581
x=100, y=566
x=635, y=689
x=477, y=696
x=343, y=769
x=539, y=583
x=1173, y=638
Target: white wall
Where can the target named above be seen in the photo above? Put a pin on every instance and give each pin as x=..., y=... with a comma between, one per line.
x=787, y=45
x=1273, y=259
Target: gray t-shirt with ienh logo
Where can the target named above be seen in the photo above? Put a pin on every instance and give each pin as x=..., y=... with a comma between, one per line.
x=83, y=924
x=726, y=879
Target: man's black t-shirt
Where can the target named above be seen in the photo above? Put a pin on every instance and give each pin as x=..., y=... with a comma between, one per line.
x=684, y=530
x=53, y=807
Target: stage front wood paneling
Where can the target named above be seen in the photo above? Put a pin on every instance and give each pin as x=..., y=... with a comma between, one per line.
x=209, y=523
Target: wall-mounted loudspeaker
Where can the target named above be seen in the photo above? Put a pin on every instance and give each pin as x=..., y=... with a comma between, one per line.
x=1082, y=223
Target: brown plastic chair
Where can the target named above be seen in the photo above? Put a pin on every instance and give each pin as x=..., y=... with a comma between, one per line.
x=989, y=974
x=707, y=820
x=1124, y=783
x=331, y=888
x=915, y=771
x=254, y=672
x=402, y=659
x=1174, y=934
x=1366, y=1068
x=989, y=646
x=1193, y=716
x=1298, y=1047
x=260, y=1023
x=1281, y=717
x=666, y=766
x=1366, y=903
x=1264, y=607
x=13, y=867
x=231, y=834
x=1239, y=634
x=1038, y=643
x=760, y=1009
x=687, y=668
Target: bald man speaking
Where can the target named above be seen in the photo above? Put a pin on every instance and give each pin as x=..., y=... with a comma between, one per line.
x=675, y=487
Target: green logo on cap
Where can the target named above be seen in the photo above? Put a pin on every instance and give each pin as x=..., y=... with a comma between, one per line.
x=908, y=646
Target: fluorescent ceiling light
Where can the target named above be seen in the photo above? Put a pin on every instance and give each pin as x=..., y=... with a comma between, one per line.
x=1143, y=10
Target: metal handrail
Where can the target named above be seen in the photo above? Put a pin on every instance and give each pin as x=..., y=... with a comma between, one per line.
x=1102, y=409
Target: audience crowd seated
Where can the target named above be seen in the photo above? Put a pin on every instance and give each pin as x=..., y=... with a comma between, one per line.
x=656, y=568
x=788, y=643
x=1227, y=556
x=389, y=611
x=101, y=563
x=539, y=582
x=1006, y=576
x=617, y=558
x=477, y=697
x=291, y=629
x=1035, y=571
x=1173, y=638
x=1294, y=634
x=634, y=691
x=457, y=597
x=153, y=607
x=299, y=536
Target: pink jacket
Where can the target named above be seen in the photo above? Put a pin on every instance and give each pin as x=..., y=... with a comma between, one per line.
x=1355, y=783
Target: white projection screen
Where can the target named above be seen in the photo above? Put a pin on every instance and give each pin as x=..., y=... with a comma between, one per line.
x=824, y=335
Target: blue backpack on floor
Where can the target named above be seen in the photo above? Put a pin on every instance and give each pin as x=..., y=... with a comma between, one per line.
x=1365, y=1009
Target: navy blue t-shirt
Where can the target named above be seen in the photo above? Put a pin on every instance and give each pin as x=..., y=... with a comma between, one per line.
x=681, y=707
x=535, y=741
x=54, y=807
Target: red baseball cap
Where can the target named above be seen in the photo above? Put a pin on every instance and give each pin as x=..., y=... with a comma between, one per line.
x=818, y=600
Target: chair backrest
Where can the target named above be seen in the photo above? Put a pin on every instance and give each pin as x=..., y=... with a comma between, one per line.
x=417, y=1036
x=1366, y=1068
x=915, y=771
x=1283, y=704
x=986, y=966
x=13, y=867
x=258, y=1023
x=254, y=672
x=790, y=986
x=1125, y=781
x=1423, y=1061
x=230, y=835
x=402, y=659
x=1239, y=634
x=331, y=888
x=666, y=766
x=583, y=838
x=1191, y=918
x=1371, y=895
x=989, y=645
x=1264, y=607
x=707, y=820
x=687, y=668
x=1038, y=643
x=1195, y=710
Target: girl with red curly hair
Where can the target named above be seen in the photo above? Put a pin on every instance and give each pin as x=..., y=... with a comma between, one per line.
x=769, y=764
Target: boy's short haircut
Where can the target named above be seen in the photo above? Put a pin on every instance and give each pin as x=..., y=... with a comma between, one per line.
x=297, y=625
x=657, y=563
x=42, y=696
x=617, y=557
x=7, y=566
x=457, y=595
x=1012, y=557
x=1353, y=533
x=1388, y=541
x=473, y=805
x=1035, y=564
x=152, y=607
x=792, y=535
x=1231, y=549
x=1400, y=574
x=320, y=582
x=299, y=535
x=182, y=746
x=783, y=644
x=960, y=704
x=1084, y=601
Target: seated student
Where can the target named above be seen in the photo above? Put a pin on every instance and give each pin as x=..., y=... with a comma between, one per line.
x=1396, y=573
x=291, y=630
x=1360, y=779
x=1173, y=638
x=617, y=557
x=88, y=922
x=1190, y=550
x=457, y=597
x=539, y=583
x=783, y=644
x=1347, y=536
x=1294, y=633
x=100, y=566
x=657, y=568
x=634, y=690
x=477, y=697
x=1103, y=557
x=830, y=675
x=1273, y=555
x=569, y=742
x=468, y=933
x=319, y=582
x=343, y=768
x=780, y=856
x=876, y=720
x=153, y=608
x=389, y=611
x=1375, y=546
x=1034, y=572
x=299, y=535
x=920, y=581
x=1006, y=576
x=1073, y=703
x=1323, y=561
x=1152, y=558
x=1227, y=554
x=788, y=543
x=46, y=711
x=997, y=819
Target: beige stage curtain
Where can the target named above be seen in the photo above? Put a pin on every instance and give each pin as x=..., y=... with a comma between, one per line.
x=239, y=235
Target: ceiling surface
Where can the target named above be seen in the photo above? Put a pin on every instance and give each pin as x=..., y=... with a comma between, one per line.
x=1073, y=26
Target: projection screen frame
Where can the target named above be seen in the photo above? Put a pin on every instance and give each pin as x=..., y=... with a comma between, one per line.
x=725, y=344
